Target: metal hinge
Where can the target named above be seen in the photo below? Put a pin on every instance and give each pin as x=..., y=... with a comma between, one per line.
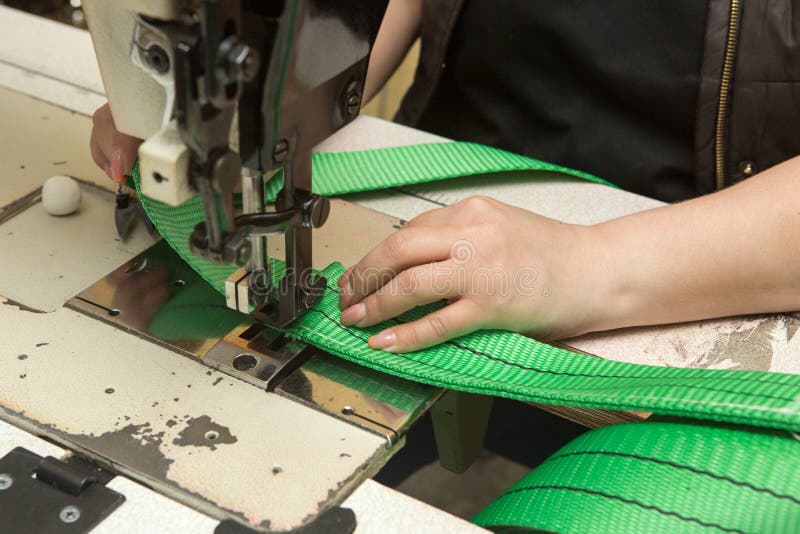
x=48, y=495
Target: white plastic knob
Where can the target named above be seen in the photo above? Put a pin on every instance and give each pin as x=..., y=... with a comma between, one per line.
x=61, y=195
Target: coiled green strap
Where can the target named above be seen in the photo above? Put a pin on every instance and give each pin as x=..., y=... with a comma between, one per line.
x=659, y=476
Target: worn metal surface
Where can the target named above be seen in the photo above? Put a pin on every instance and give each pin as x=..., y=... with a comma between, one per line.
x=222, y=446
x=383, y=404
x=157, y=296
x=378, y=509
x=262, y=360
x=55, y=257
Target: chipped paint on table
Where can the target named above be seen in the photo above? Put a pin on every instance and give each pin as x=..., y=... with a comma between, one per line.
x=759, y=343
x=214, y=442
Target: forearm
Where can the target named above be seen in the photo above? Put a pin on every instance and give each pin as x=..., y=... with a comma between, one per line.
x=398, y=31
x=733, y=252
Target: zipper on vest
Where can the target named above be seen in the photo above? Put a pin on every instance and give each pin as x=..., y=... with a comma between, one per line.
x=724, y=92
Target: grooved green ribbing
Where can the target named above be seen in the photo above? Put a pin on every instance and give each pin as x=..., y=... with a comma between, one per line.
x=514, y=366
x=503, y=363
x=336, y=173
x=660, y=476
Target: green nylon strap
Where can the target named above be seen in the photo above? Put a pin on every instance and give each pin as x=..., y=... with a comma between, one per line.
x=337, y=173
x=647, y=477
x=493, y=362
x=659, y=476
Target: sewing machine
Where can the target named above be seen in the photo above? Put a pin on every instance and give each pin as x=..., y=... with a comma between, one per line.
x=225, y=92
x=228, y=421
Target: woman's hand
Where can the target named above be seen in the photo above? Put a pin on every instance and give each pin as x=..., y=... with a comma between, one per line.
x=497, y=265
x=112, y=151
x=730, y=253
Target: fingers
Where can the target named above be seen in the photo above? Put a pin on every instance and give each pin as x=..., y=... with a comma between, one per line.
x=112, y=151
x=411, y=288
x=403, y=249
x=123, y=156
x=454, y=320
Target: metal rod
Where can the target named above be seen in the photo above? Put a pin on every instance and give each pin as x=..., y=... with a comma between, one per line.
x=253, y=202
x=258, y=267
x=211, y=214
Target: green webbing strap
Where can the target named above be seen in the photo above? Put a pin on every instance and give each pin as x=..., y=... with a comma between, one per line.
x=645, y=477
x=336, y=173
x=514, y=366
x=501, y=363
x=659, y=476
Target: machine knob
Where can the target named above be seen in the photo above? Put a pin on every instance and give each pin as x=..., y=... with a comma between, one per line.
x=316, y=211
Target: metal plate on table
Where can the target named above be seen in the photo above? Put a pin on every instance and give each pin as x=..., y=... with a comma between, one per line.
x=156, y=295
x=375, y=401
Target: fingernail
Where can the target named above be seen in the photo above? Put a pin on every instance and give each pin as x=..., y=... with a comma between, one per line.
x=384, y=340
x=354, y=314
x=117, y=172
x=107, y=170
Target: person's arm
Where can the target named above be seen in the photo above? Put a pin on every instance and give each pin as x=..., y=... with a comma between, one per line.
x=399, y=29
x=729, y=253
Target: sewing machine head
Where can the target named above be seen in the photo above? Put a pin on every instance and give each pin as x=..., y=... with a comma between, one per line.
x=228, y=91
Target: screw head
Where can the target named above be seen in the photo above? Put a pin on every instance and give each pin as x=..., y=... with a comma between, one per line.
x=244, y=62
x=69, y=514
x=351, y=100
x=245, y=362
x=237, y=62
x=353, y=104
x=6, y=481
x=317, y=211
x=157, y=59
